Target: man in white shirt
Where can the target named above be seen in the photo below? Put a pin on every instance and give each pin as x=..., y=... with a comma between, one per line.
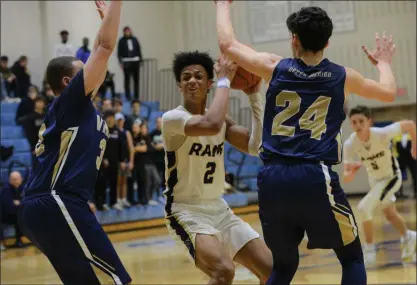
x=372, y=146
x=194, y=137
x=64, y=48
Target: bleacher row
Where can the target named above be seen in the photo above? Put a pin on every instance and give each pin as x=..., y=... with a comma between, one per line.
x=244, y=167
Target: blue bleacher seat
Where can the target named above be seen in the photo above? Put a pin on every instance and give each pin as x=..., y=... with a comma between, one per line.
x=232, y=169
x=154, y=115
x=20, y=145
x=8, y=119
x=8, y=132
x=10, y=108
x=249, y=170
x=23, y=157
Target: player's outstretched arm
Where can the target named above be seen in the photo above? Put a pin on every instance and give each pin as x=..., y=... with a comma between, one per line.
x=350, y=166
x=239, y=136
x=384, y=90
x=212, y=121
x=96, y=66
x=261, y=64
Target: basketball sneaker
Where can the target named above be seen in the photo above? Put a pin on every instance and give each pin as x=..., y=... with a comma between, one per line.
x=408, y=245
x=369, y=255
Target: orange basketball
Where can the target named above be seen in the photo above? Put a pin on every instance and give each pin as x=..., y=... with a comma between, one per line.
x=244, y=79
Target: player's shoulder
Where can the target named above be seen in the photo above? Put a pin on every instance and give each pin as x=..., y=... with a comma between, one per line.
x=351, y=140
x=176, y=113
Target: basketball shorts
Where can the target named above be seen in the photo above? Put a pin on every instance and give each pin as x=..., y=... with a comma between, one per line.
x=67, y=232
x=298, y=197
x=185, y=221
x=381, y=195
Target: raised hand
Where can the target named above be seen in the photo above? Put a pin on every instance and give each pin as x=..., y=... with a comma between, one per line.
x=225, y=68
x=101, y=8
x=383, y=52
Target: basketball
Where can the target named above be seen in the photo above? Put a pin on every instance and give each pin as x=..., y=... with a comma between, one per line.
x=244, y=79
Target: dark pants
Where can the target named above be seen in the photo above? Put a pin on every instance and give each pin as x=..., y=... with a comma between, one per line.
x=11, y=219
x=410, y=164
x=68, y=233
x=131, y=69
x=148, y=182
x=295, y=198
x=160, y=166
x=103, y=88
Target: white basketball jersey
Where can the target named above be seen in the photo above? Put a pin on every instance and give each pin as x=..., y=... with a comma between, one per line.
x=194, y=165
x=375, y=154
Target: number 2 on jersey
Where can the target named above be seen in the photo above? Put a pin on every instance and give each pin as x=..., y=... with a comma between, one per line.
x=211, y=168
x=102, y=147
x=313, y=119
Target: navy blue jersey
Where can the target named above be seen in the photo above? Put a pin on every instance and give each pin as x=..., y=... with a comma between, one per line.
x=72, y=141
x=304, y=112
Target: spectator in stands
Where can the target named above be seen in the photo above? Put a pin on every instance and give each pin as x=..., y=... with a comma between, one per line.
x=126, y=166
x=158, y=155
x=106, y=105
x=118, y=106
x=107, y=83
x=10, y=202
x=147, y=174
x=31, y=124
x=115, y=157
x=135, y=115
x=64, y=48
x=20, y=70
x=27, y=105
x=405, y=159
x=47, y=93
x=7, y=74
x=83, y=53
x=130, y=56
x=97, y=102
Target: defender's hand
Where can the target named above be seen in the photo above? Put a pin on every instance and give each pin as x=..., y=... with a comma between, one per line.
x=383, y=52
x=101, y=8
x=225, y=68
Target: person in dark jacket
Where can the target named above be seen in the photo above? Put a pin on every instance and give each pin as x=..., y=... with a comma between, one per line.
x=10, y=198
x=27, y=104
x=31, y=124
x=22, y=75
x=130, y=56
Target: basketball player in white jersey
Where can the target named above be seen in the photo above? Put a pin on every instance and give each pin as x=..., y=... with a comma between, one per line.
x=372, y=146
x=194, y=137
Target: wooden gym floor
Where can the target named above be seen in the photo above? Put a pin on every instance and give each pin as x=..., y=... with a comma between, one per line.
x=151, y=257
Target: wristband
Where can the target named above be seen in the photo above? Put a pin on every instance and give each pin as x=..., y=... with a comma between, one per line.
x=223, y=82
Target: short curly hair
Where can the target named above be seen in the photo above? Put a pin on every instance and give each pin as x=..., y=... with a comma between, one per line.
x=184, y=59
x=313, y=27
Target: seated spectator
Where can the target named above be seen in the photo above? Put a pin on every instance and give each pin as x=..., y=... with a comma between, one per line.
x=106, y=105
x=107, y=83
x=10, y=198
x=158, y=155
x=20, y=70
x=31, y=124
x=47, y=93
x=7, y=75
x=83, y=53
x=27, y=105
x=97, y=102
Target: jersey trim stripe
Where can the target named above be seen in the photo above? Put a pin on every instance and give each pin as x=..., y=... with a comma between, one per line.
x=87, y=253
x=388, y=188
x=342, y=214
x=172, y=222
x=67, y=138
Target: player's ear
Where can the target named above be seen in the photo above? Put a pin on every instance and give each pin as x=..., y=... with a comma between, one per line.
x=210, y=84
x=327, y=45
x=66, y=80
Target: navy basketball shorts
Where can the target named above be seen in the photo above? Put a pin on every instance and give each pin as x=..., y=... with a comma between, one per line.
x=297, y=197
x=67, y=232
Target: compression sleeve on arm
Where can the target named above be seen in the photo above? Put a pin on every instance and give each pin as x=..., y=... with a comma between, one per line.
x=257, y=117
